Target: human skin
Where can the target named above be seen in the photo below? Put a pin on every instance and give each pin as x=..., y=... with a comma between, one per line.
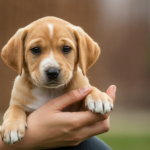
x=50, y=127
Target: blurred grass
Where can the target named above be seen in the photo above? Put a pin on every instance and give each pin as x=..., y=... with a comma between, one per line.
x=130, y=130
x=127, y=142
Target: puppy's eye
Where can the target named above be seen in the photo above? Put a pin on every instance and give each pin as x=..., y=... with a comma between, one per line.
x=36, y=50
x=66, y=49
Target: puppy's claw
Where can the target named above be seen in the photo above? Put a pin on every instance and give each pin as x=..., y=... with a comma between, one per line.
x=26, y=125
x=100, y=103
x=92, y=110
x=20, y=139
x=112, y=107
x=12, y=135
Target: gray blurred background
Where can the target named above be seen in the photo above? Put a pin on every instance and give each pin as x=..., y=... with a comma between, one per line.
x=122, y=29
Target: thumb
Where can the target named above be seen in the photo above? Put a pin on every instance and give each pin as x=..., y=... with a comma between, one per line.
x=111, y=91
x=71, y=97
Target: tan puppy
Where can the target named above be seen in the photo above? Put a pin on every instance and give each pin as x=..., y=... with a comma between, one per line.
x=47, y=54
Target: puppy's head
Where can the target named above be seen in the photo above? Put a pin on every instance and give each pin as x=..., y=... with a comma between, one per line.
x=49, y=50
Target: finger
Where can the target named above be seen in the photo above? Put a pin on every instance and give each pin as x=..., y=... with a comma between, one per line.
x=97, y=128
x=90, y=118
x=111, y=91
x=86, y=118
x=70, y=97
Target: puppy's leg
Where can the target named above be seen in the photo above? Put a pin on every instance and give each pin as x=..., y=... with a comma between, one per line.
x=98, y=102
x=14, y=124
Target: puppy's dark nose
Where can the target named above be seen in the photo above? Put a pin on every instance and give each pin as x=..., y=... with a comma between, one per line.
x=52, y=73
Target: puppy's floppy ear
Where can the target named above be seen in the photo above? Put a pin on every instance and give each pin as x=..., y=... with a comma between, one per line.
x=12, y=52
x=88, y=49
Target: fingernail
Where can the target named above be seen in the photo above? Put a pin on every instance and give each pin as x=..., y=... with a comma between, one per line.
x=114, y=89
x=85, y=89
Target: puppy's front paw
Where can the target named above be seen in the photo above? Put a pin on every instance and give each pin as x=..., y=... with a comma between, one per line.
x=12, y=132
x=99, y=103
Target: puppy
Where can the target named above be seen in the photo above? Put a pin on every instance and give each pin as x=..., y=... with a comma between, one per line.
x=51, y=57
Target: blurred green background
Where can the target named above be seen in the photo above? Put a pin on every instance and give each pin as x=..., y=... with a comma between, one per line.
x=128, y=131
x=122, y=29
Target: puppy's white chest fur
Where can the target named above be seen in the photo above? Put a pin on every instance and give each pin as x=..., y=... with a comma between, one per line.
x=42, y=95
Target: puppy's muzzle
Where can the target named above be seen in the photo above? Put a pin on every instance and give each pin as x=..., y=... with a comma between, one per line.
x=52, y=73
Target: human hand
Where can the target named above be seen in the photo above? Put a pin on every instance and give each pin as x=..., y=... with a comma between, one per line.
x=49, y=127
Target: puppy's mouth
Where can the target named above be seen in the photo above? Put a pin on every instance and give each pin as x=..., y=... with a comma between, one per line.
x=53, y=84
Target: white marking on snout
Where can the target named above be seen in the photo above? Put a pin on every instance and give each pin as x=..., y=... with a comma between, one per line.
x=51, y=56
x=49, y=62
x=51, y=29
